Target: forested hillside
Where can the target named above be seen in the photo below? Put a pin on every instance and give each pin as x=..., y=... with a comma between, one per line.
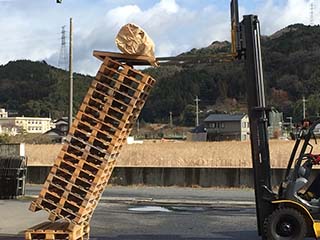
x=291, y=60
x=37, y=89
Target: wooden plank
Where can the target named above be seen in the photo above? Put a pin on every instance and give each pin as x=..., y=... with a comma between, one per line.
x=124, y=58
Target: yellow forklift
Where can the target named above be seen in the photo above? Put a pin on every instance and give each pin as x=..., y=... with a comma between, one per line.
x=286, y=214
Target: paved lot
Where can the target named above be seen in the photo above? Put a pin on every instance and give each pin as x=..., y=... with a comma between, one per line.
x=173, y=193
x=187, y=222
x=152, y=213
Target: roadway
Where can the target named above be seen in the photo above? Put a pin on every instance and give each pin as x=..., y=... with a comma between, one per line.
x=132, y=213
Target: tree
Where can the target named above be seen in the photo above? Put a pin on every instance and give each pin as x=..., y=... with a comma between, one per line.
x=4, y=139
x=188, y=115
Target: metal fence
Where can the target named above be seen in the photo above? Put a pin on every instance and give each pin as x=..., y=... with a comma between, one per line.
x=12, y=177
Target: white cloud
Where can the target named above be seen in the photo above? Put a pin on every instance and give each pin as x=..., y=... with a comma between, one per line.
x=32, y=30
x=121, y=15
x=274, y=17
x=168, y=5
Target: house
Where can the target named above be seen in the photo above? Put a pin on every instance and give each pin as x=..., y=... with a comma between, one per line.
x=25, y=124
x=55, y=135
x=198, y=134
x=8, y=130
x=3, y=113
x=59, y=130
x=62, y=125
x=222, y=127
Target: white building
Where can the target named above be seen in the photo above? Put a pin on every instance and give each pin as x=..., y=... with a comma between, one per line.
x=3, y=113
x=24, y=124
x=8, y=131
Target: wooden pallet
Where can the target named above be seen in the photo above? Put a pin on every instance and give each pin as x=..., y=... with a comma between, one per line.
x=117, y=70
x=57, y=231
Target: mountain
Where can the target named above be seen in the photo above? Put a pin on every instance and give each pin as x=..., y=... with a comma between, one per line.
x=38, y=89
x=291, y=61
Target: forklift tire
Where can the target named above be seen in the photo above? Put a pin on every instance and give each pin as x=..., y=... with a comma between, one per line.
x=285, y=224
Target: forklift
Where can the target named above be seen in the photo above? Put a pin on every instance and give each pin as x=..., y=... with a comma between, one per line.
x=285, y=214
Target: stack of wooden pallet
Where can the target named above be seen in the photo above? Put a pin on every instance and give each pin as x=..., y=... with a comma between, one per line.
x=82, y=169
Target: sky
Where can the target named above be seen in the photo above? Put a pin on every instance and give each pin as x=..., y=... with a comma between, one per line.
x=32, y=29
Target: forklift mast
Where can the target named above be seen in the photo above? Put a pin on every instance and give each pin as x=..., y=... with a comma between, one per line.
x=246, y=37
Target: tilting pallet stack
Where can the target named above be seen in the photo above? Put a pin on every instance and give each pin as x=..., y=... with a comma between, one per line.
x=85, y=163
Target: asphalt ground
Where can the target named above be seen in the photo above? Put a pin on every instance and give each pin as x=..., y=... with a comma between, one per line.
x=151, y=213
x=179, y=194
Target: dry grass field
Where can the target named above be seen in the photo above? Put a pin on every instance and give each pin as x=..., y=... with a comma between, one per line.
x=178, y=154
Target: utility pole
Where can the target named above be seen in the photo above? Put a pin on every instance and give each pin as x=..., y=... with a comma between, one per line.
x=304, y=107
x=70, y=76
x=197, y=100
x=290, y=119
x=170, y=120
x=138, y=125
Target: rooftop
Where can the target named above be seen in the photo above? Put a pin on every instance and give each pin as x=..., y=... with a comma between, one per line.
x=224, y=117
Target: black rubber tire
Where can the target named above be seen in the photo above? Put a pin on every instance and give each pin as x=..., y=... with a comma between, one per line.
x=285, y=224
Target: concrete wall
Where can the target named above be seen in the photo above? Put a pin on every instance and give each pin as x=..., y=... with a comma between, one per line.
x=188, y=177
x=184, y=177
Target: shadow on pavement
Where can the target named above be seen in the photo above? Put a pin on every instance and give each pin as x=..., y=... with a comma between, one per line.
x=239, y=235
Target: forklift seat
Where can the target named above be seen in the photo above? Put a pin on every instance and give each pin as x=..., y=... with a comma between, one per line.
x=303, y=177
x=305, y=170
x=299, y=184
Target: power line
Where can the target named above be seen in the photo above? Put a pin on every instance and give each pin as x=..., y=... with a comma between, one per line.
x=317, y=7
x=62, y=63
x=312, y=13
